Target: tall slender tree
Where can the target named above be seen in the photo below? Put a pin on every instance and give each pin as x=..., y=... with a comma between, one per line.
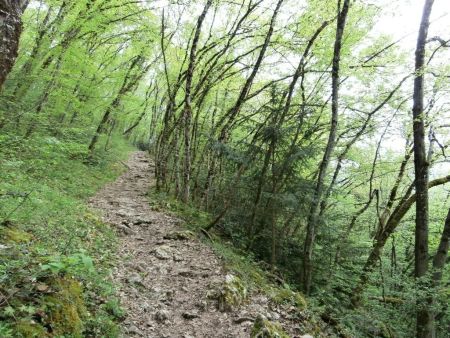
x=187, y=113
x=319, y=189
x=425, y=321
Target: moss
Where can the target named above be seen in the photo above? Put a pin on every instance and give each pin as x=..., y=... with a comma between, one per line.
x=30, y=329
x=232, y=294
x=180, y=235
x=66, y=308
x=14, y=235
x=263, y=328
x=287, y=296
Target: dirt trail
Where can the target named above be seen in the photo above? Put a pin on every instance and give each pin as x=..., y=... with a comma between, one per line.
x=164, y=282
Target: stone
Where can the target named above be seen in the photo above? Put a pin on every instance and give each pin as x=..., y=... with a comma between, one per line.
x=241, y=320
x=273, y=316
x=178, y=258
x=186, y=273
x=190, y=315
x=143, y=220
x=135, y=279
x=126, y=230
x=263, y=328
x=179, y=235
x=162, y=316
x=162, y=252
x=202, y=305
x=232, y=294
x=169, y=295
x=134, y=330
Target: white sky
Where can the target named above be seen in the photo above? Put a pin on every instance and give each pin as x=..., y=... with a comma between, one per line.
x=402, y=18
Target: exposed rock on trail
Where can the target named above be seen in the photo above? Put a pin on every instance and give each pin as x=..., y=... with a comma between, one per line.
x=166, y=276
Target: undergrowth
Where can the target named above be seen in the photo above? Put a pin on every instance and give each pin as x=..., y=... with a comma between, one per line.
x=55, y=254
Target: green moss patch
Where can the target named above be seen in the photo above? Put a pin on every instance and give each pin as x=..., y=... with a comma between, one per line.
x=28, y=328
x=233, y=293
x=66, y=308
x=11, y=235
x=286, y=296
x=263, y=328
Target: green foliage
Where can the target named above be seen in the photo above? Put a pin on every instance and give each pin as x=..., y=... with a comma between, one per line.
x=286, y=296
x=55, y=253
x=78, y=264
x=263, y=328
x=195, y=219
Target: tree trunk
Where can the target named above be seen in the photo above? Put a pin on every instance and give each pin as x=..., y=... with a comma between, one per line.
x=441, y=253
x=10, y=30
x=425, y=320
x=312, y=217
x=187, y=114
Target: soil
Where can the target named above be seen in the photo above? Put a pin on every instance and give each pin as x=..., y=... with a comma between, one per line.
x=165, y=284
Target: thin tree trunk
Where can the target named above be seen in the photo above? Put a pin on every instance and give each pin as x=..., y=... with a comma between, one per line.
x=312, y=217
x=187, y=114
x=441, y=253
x=425, y=320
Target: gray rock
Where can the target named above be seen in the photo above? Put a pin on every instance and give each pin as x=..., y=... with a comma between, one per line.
x=143, y=221
x=190, y=315
x=162, y=252
x=162, y=316
x=135, y=279
x=179, y=235
x=186, y=273
x=178, y=258
x=134, y=330
x=126, y=230
x=273, y=316
x=202, y=306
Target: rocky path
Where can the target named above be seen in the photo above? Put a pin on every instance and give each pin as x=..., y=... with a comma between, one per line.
x=164, y=280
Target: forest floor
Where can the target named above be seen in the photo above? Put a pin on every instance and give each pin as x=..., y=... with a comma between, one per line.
x=166, y=280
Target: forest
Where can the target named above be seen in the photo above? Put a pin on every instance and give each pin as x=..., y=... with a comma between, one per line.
x=305, y=142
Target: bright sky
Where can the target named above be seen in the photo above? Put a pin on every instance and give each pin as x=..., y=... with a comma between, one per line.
x=402, y=18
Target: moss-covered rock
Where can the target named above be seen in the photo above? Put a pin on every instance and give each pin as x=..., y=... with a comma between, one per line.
x=263, y=328
x=12, y=235
x=232, y=294
x=179, y=235
x=66, y=309
x=287, y=296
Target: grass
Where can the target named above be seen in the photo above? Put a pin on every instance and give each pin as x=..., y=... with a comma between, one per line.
x=55, y=253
